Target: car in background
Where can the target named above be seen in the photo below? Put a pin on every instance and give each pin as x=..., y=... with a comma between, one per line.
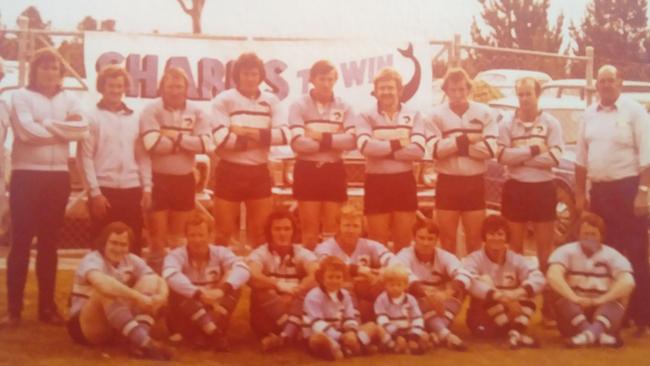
x=577, y=88
x=504, y=79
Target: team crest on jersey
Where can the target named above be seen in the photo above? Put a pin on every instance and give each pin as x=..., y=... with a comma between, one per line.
x=602, y=269
x=336, y=115
x=364, y=260
x=126, y=276
x=477, y=122
x=266, y=105
x=539, y=130
x=213, y=274
x=188, y=122
x=406, y=120
x=509, y=279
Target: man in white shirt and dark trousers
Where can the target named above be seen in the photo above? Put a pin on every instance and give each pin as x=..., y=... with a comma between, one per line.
x=614, y=155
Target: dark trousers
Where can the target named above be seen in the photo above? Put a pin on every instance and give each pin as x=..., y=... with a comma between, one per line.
x=37, y=200
x=125, y=207
x=614, y=202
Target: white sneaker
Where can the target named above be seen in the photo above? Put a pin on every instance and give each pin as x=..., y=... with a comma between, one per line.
x=608, y=340
x=582, y=339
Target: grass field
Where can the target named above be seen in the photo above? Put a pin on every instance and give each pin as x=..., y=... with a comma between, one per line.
x=35, y=344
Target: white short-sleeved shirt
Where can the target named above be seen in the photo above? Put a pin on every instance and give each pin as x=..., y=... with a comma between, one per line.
x=614, y=142
x=289, y=269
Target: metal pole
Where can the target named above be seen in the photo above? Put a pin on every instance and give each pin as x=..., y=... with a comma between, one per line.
x=23, y=23
x=589, y=73
x=456, y=50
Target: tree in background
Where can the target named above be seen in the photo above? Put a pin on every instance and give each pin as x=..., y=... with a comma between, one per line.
x=617, y=31
x=195, y=12
x=521, y=24
x=73, y=51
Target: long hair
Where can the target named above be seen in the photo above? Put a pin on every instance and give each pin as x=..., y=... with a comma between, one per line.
x=115, y=227
x=42, y=56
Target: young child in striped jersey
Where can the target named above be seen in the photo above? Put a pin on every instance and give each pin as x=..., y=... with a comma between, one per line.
x=399, y=315
x=503, y=287
x=331, y=327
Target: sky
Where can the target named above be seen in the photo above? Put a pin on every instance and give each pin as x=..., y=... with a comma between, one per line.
x=430, y=19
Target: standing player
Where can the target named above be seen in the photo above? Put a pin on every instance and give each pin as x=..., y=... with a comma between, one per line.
x=364, y=257
x=438, y=281
x=281, y=274
x=115, y=293
x=45, y=118
x=115, y=166
x=593, y=282
x=247, y=124
x=530, y=145
x=322, y=127
x=205, y=282
x=391, y=136
x=173, y=130
x=332, y=330
x=464, y=139
x=503, y=287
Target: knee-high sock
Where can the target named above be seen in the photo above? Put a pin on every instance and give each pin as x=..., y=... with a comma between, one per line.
x=521, y=321
x=200, y=316
x=439, y=323
x=121, y=318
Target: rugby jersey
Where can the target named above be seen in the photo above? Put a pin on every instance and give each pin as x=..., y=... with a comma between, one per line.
x=515, y=272
x=399, y=316
x=184, y=278
x=390, y=145
x=113, y=156
x=290, y=269
x=174, y=155
x=41, y=138
x=332, y=314
x=231, y=108
x=446, y=126
x=590, y=276
x=335, y=120
x=516, y=138
x=437, y=274
x=128, y=271
x=368, y=253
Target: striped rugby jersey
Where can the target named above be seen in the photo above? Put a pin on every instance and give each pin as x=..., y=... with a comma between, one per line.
x=169, y=154
x=438, y=274
x=332, y=314
x=130, y=269
x=446, y=126
x=516, y=139
x=184, y=278
x=390, y=145
x=290, y=269
x=590, y=276
x=399, y=316
x=368, y=253
x=231, y=108
x=335, y=118
x=514, y=273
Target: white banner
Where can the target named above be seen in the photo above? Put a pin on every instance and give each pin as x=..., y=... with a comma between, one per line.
x=287, y=64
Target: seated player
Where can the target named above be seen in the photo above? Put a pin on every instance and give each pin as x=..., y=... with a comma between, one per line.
x=438, y=281
x=593, y=283
x=115, y=293
x=399, y=315
x=364, y=257
x=503, y=287
x=205, y=282
x=331, y=327
x=281, y=274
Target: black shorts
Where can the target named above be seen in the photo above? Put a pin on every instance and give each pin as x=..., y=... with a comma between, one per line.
x=386, y=193
x=173, y=192
x=239, y=182
x=315, y=181
x=74, y=330
x=523, y=202
x=460, y=193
